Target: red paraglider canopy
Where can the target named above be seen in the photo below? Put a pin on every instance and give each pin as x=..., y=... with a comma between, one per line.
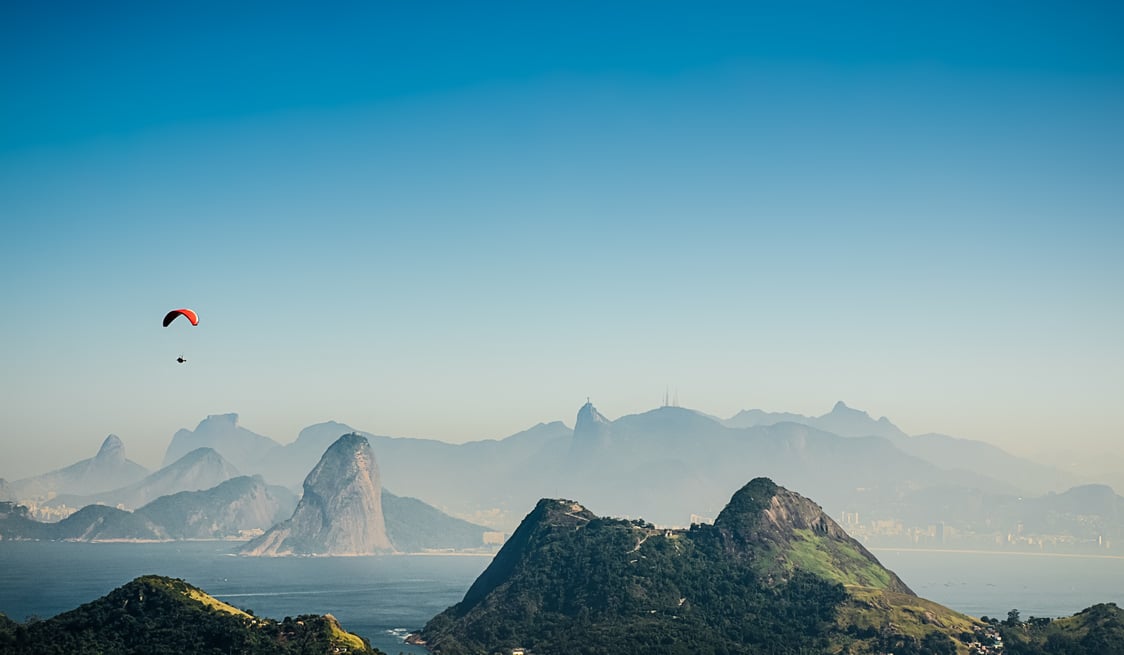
x=172, y=315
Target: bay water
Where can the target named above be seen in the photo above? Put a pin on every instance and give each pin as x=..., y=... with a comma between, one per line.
x=991, y=583
x=382, y=598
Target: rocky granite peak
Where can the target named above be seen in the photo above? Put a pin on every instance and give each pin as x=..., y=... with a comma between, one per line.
x=591, y=431
x=779, y=529
x=112, y=450
x=340, y=512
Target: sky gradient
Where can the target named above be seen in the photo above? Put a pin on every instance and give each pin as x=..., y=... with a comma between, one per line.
x=457, y=221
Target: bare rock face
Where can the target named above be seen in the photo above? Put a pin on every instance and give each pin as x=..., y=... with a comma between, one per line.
x=340, y=512
x=764, y=521
x=591, y=433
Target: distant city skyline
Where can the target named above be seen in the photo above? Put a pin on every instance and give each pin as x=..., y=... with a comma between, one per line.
x=454, y=222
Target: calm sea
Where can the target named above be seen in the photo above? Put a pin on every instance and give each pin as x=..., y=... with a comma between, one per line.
x=990, y=584
x=382, y=598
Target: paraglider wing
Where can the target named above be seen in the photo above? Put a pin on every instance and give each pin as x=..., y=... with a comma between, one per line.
x=176, y=313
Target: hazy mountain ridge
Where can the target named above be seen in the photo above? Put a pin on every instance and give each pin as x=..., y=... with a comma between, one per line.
x=202, y=468
x=229, y=510
x=841, y=420
x=766, y=577
x=108, y=469
x=288, y=464
x=234, y=509
x=942, y=450
x=226, y=511
x=642, y=456
x=668, y=464
x=414, y=526
x=221, y=432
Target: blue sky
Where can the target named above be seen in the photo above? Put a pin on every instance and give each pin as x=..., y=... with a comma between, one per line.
x=455, y=222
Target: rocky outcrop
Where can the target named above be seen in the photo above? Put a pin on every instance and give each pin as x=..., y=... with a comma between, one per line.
x=591, y=433
x=340, y=512
x=767, y=522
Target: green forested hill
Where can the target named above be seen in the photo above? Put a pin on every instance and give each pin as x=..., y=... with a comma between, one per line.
x=1098, y=629
x=155, y=615
x=772, y=575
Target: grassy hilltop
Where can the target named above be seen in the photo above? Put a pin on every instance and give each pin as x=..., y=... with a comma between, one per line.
x=154, y=615
x=772, y=575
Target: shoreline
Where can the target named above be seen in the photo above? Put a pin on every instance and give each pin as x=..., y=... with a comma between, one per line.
x=974, y=551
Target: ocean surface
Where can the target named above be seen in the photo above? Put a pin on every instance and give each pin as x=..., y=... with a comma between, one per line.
x=981, y=583
x=383, y=598
x=380, y=598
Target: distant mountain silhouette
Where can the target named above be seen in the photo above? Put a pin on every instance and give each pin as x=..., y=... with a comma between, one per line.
x=227, y=511
x=289, y=464
x=669, y=463
x=244, y=449
x=199, y=469
x=108, y=469
x=946, y=452
x=413, y=527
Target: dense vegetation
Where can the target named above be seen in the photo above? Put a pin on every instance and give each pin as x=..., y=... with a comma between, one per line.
x=154, y=615
x=576, y=596
x=1098, y=629
x=571, y=582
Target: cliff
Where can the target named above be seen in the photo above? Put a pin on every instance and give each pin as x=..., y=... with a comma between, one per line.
x=340, y=512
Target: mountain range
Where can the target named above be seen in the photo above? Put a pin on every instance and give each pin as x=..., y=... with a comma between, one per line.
x=344, y=511
x=108, y=469
x=229, y=510
x=671, y=464
x=199, y=469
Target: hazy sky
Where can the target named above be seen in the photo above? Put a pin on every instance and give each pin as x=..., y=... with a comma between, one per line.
x=456, y=221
